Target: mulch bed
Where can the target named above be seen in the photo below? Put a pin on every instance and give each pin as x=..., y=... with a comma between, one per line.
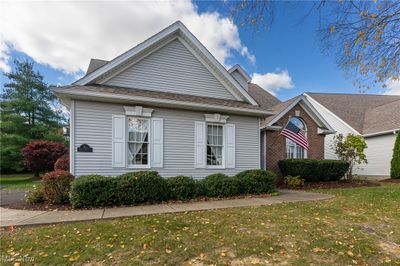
x=333, y=184
x=38, y=206
x=67, y=207
x=397, y=181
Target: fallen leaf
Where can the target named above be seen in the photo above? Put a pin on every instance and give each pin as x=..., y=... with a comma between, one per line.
x=317, y=249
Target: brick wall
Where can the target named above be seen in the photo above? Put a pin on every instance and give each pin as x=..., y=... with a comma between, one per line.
x=276, y=144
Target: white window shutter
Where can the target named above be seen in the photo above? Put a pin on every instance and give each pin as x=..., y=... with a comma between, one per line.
x=156, y=142
x=230, y=145
x=200, y=145
x=118, y=140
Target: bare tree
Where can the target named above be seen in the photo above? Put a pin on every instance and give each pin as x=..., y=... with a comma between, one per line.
x=363, y=36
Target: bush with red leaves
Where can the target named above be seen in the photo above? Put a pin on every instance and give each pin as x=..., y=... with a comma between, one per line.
x=56, y=186
x=62, y=163
x=40, y=155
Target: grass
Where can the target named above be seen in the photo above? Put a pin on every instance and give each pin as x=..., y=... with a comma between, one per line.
x=360, y=226
x=17, y=181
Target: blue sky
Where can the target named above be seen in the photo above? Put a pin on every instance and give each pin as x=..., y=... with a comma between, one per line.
x=290, y=47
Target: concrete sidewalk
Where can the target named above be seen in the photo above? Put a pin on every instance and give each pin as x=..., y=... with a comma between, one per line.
x=24, y=217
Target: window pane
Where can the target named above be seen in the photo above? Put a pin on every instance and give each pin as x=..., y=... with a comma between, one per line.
x=138, y=129
x=138, y=141
x=290, y=149
x=214, y=144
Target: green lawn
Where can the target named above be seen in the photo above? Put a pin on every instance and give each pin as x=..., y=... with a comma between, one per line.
x=360, y=226
x=17, y=181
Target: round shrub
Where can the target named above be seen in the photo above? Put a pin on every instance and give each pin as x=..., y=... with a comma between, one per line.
x=35, y=195
x=182, y=187
x=56, y=186
x=40, y=155
x=220, y=185
x=313, y=170
x=93, y=191
x=62, y=163
x=256, y=181
x=142, y=186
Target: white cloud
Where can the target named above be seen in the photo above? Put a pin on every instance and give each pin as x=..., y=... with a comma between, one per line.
x=65, y=35
x=273, y=82
x=393, y=87
x=4, y=56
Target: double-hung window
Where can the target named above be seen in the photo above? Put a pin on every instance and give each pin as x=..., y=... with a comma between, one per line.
x=215, y=145
x=138, y=142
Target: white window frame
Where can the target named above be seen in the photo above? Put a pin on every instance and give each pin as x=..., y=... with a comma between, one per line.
x=222, y=166
x=296, y=146
x=138, y=166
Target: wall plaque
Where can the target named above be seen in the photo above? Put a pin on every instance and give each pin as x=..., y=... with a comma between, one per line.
x=85, y=148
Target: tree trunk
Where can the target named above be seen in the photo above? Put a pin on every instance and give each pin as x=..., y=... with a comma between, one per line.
x=36, y=175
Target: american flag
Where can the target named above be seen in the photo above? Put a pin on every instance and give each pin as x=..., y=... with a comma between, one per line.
x=295, y=134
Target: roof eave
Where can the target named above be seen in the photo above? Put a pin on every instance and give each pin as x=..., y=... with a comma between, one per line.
x=385, y=132
x=67, y=95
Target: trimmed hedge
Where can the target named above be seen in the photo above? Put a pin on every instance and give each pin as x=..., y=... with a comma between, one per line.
x=256, y=182
x=313, y=170
x=143, y=186
x=93, y=191
x=184, y=188
x=149, y=186
x=220, y=185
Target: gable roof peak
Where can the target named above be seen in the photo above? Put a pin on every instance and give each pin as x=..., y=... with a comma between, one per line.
x=95, y=64
x=161, y=37
x=240, y=70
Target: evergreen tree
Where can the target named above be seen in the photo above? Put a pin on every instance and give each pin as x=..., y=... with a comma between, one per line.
x=28, y=111
x=395, y=163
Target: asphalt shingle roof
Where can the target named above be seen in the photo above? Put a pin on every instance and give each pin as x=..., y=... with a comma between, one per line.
x=366, y=113
x=265, y=99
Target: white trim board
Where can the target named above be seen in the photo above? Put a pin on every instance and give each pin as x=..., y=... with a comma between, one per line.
x=386, y=132
x=305, y=104
x=72, y=138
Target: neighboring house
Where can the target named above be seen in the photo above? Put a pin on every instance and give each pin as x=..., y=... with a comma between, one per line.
x=375, y=117
x=324, y=115
x=166, y=105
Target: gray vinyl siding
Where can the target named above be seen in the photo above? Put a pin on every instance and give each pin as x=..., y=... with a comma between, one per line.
x=172, y=68
x=238, y=77
x=379, y=154
x=93, y=126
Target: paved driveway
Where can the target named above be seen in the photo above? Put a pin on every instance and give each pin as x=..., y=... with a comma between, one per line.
x=8, y=196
